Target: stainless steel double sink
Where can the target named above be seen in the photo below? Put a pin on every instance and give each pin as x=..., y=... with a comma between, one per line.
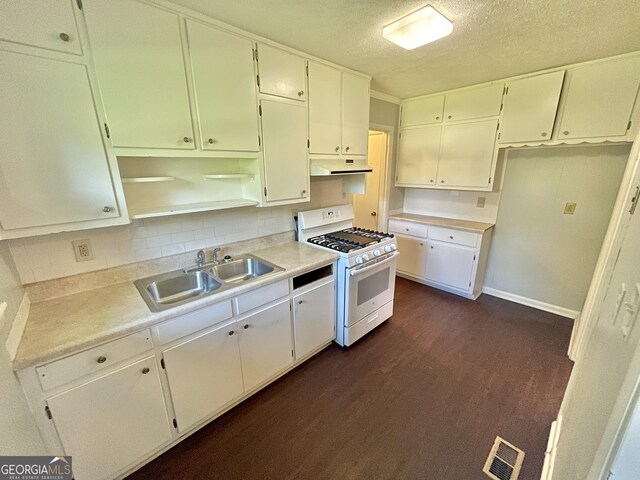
x=171, y=289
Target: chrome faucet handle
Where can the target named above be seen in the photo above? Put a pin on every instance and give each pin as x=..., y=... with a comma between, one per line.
x=216, y=251
x=200, y=258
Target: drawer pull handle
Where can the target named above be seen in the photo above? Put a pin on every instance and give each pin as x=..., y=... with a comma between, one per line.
x=64, y=37
x=451, y=237
x=145, y=370
x=102, y=359
x=300, y=302
x=407, y=229
x=231, y=332
x=245, y=326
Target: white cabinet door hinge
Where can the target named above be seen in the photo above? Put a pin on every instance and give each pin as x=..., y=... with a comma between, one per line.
x=47, y=412
x=634, y=201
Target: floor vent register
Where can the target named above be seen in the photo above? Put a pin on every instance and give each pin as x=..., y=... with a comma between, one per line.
x=504, y=461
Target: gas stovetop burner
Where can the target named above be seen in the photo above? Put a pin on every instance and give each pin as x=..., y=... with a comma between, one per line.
x=350, y=239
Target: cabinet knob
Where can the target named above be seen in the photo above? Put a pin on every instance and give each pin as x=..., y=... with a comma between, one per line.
x=451, y=237
x=544, y=134
x=304, y=192
x=346, y=149
x=64, y=37
x=300, y=302
x=301, y=93
x=449, y=116
x=374, y=214
x=106, y=209
x=566, y=132
x=430, y=246
x=338, y=148
x=145, y=370
x=102, y=359
x=231, y=332
x=437, y=118
x=441, y=181
x=432, y=181
x=422, y=244
x=407, y=229
x=245, y=326
x=187, y=139
x=211, y=141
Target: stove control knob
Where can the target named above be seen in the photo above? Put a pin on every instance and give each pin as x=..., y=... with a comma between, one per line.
x=358, y=260
x=365, y=257
x=392, y=247
x=376, y=253
x=387, y=248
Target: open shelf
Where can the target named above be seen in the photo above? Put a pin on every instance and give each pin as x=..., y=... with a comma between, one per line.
x=147, y=179
x=135, y=213
x=215, y=176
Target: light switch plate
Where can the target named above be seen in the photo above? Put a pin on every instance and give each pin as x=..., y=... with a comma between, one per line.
x=570, y=208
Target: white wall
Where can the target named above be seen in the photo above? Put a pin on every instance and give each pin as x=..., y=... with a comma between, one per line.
x=627, y=461
x=51, y=256
x=537, y=252
x=452, y=204
x=18, y=432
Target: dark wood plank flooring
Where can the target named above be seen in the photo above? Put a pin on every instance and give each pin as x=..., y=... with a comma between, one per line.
x=422, y=397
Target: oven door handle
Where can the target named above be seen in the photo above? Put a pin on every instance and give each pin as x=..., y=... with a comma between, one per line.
x=357, y=271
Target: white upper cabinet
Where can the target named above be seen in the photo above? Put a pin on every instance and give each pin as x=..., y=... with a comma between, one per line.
x=50, y=24
x=54, y=168
x=418, y=153
x=530, y=107
x=600, y=99
x=474, y=103
x=225, y=91
x=355, y=114
x=137, y=51
x=286, y=163
x=467, y=154
x=325, y=103
x=422, y=111
x=281, y=73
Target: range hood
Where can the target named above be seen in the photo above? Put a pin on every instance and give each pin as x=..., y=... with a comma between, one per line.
x=321, y=168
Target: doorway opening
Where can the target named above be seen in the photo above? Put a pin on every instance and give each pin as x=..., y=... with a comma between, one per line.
x=370, y=207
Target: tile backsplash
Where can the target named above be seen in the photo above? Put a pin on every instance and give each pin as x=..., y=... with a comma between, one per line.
x=51, y=256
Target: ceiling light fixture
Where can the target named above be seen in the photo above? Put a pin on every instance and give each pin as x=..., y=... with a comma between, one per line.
x=418, y=28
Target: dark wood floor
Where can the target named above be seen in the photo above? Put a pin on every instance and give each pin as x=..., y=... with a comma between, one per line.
x=422, y=397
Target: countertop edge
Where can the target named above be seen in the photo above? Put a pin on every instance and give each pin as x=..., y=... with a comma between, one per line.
x=478, y=227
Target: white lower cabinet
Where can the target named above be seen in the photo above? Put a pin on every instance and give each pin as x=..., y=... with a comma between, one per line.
x=449, y=264
x=204, y=373
x=312, y=326
x=265, y=343
x=112, y=421
x=447, y=258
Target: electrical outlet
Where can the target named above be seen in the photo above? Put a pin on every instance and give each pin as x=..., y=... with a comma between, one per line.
x=570, y=208
x=481, y=202
x=83, y=250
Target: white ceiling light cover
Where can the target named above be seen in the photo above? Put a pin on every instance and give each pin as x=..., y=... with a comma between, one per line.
x=418, y=28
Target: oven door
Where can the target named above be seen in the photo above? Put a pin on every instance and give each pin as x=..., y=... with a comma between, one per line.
x=369, y=287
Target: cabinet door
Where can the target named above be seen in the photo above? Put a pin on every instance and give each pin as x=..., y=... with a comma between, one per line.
x=112, y=421
x=413, y=255
x=325, y=126
x=314, y=318
x=204, y=374
x=422, y=111
x=54, y=165
x=530, y=106
x=467, y=153
x=225, y=97
x=418, y=152
x=355, y=114
x=137, y=52
x=281, y=73
x=49, y=24
x=600, y=99
x=475, y=103
x=286, y=164
x=450, y=264
x=265, y=344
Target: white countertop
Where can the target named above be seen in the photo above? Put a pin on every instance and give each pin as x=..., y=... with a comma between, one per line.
x=68, y=324
x=466, y=225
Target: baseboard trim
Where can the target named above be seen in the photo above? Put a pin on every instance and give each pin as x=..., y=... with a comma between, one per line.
x=530, y=302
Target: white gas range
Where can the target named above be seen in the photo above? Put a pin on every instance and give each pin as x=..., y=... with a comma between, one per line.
x=366, y=268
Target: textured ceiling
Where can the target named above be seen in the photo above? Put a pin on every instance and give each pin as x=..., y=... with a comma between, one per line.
x=492, y=39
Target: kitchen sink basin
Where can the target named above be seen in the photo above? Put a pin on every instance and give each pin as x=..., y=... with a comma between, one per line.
x=176, y=288
x=168, y=290
x=242, y=269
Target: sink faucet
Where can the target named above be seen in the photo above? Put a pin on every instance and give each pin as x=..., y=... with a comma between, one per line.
x=200, y=259
x=216, y=251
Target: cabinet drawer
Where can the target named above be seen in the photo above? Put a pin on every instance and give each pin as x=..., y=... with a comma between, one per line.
x=261, y=296
x=194, y=321
x=453, y=236
x=84, y=363
x=408, y=228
